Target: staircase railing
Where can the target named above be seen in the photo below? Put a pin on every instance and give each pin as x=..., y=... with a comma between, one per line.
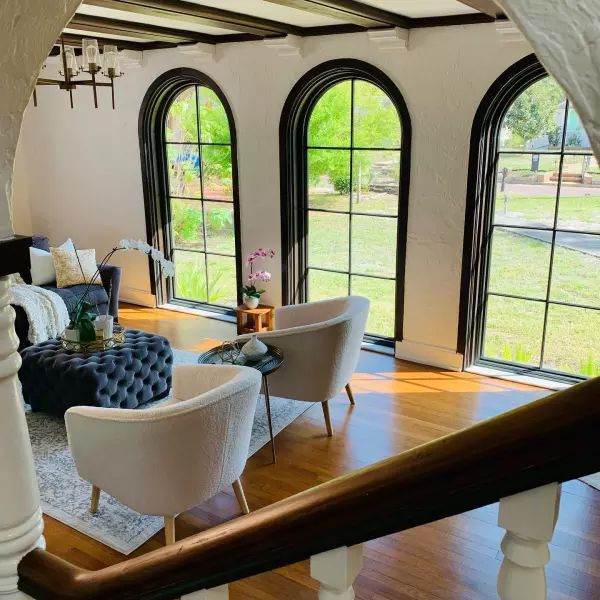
x=518, y=458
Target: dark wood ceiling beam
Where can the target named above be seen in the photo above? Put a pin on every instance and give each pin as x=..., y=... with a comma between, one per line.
x=445, y=21
x=177, y=10
x=105, y=26
x=352, y=11
x=448, y=20
x=74, y=39
x=487, y=7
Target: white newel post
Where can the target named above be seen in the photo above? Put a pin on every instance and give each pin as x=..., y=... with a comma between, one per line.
x=21, y=522
x=218, y=593
x=30, y=27
x=529, y=519
x=336, y=571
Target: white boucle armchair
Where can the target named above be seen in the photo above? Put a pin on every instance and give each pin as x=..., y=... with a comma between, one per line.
x=321, y=344
x=168, y=459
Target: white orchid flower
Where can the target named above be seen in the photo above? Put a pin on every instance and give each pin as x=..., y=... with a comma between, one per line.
x=168, y=268
x=156, y=255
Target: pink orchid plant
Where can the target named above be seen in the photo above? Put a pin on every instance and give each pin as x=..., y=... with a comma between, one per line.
x=250, y=291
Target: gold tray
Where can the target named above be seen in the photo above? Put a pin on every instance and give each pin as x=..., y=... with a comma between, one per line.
x=117, y=339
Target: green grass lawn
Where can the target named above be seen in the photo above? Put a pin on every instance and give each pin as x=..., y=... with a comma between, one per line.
x=574, y=212
x=373, y=253
x=514, y=327
x=190, y=278
x=519, y=266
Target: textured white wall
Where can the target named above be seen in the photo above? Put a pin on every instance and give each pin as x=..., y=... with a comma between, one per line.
x=83, y=169
x=29, y=27
x=567, y=41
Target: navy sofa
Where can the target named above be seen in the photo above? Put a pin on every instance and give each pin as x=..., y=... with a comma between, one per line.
x=111, y=281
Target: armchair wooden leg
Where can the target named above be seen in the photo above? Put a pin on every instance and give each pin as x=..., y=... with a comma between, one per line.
x=350, y=394
x=327, y=416
x=95, y=498
x=169, y=530
x=241, y=497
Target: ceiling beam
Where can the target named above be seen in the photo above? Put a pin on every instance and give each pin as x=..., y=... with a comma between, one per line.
x=449, y=20
x=487, y=7
x=177, y=10
x=352, y=11
x=74, y=39
x=105, y=26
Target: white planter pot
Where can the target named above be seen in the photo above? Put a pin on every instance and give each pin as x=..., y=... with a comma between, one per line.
x=71, y=335
x=103, y=325
x=251, y=301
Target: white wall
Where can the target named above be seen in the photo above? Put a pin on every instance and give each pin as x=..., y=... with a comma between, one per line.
x=29, y=28
x=82, y=175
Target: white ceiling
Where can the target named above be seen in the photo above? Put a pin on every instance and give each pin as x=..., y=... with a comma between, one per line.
x=422, y=8
x=269, y=10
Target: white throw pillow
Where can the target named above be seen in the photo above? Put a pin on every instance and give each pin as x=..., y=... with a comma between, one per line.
x=42, y=265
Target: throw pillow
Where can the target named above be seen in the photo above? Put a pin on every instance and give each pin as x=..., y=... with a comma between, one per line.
x=42, y=265
x=73, y=267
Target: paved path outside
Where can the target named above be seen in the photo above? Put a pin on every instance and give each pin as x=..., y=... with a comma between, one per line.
x=549, y=189
x=588, y=244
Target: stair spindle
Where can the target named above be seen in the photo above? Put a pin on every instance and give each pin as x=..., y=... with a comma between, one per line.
x=218, y=593
x=529, y=519
x=336, y=571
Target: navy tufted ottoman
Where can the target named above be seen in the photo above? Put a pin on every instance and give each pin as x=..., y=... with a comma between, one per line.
x=126, y=376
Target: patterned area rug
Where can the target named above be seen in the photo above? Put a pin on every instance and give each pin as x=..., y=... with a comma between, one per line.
x=66, y=497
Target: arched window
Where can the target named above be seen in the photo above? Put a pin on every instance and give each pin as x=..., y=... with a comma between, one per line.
x=188, y=144
x=345, y=142
x=531, y=278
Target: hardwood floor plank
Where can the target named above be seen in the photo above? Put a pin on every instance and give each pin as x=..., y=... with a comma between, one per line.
x=398, y=406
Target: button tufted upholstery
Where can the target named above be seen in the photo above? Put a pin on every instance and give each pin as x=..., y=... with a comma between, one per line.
x=127, y=376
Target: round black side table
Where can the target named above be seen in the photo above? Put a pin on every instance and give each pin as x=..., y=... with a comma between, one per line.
x=267, y=364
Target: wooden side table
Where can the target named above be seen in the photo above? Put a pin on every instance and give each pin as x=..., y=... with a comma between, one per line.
x=254, y=320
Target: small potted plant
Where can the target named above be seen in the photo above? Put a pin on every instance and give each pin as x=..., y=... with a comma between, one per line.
x=82, y=327
x=251, y=294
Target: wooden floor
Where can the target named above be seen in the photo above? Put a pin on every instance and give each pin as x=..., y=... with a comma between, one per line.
x=398, y=405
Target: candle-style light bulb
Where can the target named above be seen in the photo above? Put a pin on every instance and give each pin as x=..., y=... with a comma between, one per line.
x=71, y=61
x=110, y=61
x=91, y=54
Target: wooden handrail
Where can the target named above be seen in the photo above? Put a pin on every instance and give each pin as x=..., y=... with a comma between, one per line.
x=552, y=439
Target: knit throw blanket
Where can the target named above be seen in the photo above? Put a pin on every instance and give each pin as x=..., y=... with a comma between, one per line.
x=46, y=311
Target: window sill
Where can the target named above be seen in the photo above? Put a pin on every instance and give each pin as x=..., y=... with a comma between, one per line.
x=379, y=348
x=209, y=314
x=540, y=382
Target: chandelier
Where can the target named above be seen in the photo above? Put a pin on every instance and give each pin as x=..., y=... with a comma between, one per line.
x=92, y=63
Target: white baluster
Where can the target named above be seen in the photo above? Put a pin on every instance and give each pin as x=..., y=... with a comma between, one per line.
x=336, y=571
x=218, y=593
x=529, y=519
x=21, y=522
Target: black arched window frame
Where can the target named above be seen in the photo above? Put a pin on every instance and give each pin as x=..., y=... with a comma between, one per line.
x=151, y=132
x=293, y=131
x=479, y=219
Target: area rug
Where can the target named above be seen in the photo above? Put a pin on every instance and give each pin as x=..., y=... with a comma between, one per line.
x=66, y=497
